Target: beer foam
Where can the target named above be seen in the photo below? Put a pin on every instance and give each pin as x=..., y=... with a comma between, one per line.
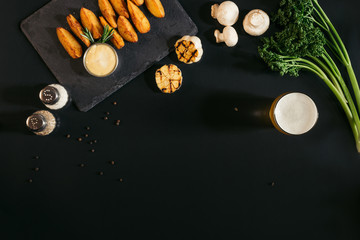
x=296, y=113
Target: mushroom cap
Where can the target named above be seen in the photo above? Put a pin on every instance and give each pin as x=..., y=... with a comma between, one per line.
x=256, y=22
x=227, y=13
x=230, y=36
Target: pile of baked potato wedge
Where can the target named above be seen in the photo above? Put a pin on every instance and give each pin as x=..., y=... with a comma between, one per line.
x=121, y=27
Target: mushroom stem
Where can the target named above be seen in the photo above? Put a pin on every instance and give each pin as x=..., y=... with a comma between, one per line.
x=214, y=10
x=219, y=36
x=256, y=19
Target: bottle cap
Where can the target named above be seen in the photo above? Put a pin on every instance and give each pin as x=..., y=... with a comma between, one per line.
x=36, y=122
x=49, y=95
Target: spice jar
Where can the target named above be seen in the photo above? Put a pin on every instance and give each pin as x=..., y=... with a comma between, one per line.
x=41, y=123
x=54, y=96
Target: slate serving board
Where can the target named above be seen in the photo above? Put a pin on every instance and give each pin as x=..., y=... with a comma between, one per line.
x=134, y=58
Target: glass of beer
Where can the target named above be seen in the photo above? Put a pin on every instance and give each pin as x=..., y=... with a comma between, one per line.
x=293, y=113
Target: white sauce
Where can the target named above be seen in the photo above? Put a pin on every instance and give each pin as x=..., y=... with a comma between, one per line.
x=100, y=60
x=296, y=113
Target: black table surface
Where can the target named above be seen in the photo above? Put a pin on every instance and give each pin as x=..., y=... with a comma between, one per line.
x=186, y=165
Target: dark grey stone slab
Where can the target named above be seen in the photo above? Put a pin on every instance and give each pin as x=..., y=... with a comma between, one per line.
x=134, y=58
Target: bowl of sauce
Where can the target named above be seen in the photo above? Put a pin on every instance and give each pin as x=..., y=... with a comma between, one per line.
x=294, y=113
x=100, y=60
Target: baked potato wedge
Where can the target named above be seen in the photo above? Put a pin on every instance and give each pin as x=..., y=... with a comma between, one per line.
x=138, y=2
x=126, y=30
x=120, y=7
x=71, y=45
x=155, y=7
x=91, y=22
x=77, y=29
x=116, y=39
x=140, y=21
x=108, y=12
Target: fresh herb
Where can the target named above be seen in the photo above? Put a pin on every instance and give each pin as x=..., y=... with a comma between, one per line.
x=307, y=41
x=106, y=36
x=88, y=35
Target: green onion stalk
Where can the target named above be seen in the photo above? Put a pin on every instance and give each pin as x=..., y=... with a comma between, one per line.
x=309, y=41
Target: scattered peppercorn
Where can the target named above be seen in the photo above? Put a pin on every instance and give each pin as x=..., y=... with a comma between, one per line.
x=107, y=113
x=115, y=103
x=95, y=141
x=87, y=128
x=106, y=118
x=91, y=142
x=86, y=135
x=68, y=136
x=92, y=150
x=79, y=139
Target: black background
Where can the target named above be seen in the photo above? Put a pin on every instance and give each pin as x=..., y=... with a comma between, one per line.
x=192, y=167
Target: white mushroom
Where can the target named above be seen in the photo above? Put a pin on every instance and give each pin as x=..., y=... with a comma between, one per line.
x=229, y=36
x=256, y=22
x=227, y=13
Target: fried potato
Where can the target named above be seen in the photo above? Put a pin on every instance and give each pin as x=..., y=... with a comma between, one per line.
x=120, y=7
x=126, y=30
x=108, y=12
x=116, y=39
x=91, y=22
x=69, y=42
x=155, y=7
x=138, y=2
x=77, y=29
x=139, y=19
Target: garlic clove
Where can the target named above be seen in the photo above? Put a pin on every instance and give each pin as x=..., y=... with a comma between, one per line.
x=189, y=49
